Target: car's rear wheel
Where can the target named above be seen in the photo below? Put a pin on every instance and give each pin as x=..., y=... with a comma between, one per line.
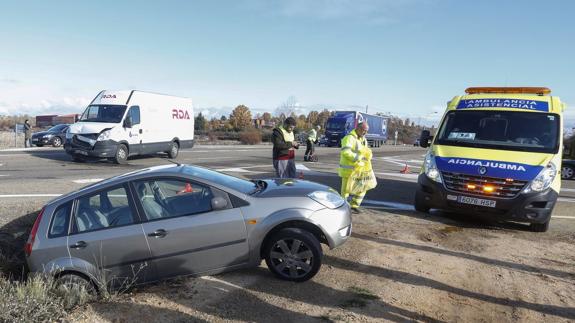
x=174, y=149
x=293, y=254
x=57, y=142
x=567, y=172
x=121, y=154
x=76, y=283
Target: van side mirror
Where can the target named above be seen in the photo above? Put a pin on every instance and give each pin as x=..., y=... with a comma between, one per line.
x=128, y=122
x=425, y=138
x=219, y=203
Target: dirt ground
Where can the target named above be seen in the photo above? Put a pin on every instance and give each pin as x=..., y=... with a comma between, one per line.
x=397, y=267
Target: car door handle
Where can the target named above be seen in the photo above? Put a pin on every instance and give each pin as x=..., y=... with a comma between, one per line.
x=79, y=245
x=160, y=233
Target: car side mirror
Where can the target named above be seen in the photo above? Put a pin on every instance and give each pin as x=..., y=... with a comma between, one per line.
x=219, y=203
x=425, y=138
x=128, y=122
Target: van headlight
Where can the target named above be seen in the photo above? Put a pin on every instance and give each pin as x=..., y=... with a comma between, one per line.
x=104, y=135
x=328, y=199
x=430, y=168
x=543, y=179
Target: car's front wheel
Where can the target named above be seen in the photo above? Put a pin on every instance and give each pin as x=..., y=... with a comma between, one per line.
x=76, y=283
x=57, y=142
x=293, y=254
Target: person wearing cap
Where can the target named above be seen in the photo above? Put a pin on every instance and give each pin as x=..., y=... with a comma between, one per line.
x=311, y=139
x=354, y=153
x=27, y=134
x=284, y=149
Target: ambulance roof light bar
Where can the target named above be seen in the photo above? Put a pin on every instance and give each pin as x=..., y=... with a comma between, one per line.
x=508, y=90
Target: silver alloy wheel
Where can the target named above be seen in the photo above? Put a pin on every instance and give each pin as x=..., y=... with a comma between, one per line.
x=292, y=258
x=57, y=142
x=566, y=172
x=174, y=149
x=122, y=154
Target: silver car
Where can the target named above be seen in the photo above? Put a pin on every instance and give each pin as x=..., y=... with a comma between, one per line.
x=175, y=220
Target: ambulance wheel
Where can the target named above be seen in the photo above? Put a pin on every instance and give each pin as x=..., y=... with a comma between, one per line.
x=174, y=149
x=420, y=204
x=121, y=154
x=539, y=227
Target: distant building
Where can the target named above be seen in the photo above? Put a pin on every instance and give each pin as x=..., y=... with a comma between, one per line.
x=262, y=124
x=45, y=120
x=67, y=118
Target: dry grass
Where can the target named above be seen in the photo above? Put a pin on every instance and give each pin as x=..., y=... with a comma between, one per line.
x=250, y=137
x=7, y=140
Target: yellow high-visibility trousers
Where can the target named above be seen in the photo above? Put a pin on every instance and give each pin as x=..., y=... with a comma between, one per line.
x=353, y=199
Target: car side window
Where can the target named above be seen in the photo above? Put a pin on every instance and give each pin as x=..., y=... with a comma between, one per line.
x=135, y=114
x=106, y=209
x=168, y=198
x=60, y=221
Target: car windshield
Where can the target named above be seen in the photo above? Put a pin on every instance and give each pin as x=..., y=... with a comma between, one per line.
x=235, y=183
x=335, y=125
x=507, y=130
x=103, y=113
x=57, y=128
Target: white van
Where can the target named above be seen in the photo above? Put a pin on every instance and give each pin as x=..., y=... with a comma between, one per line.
x=118, y=124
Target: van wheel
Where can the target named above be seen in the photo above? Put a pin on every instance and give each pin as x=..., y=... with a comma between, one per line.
x=539, y=227
x=121, y=154
x=57, y=142
x=293, y=254
x=420, y=204
x=76, y=284
x=567, y=172
x=174, y=149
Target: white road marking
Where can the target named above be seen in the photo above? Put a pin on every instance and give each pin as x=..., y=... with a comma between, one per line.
x=410, y=177
x=301, y=167
x=565, y=199
x=562, y=189
x=88, y=180
x=4, y=175
x=563, y=217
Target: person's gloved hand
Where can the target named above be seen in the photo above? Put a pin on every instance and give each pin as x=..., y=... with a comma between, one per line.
x=359, y=164
x=367, y=154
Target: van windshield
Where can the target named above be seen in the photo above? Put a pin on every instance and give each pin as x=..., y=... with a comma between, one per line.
x=506, y=130
x=103, y=113
x=336, y=125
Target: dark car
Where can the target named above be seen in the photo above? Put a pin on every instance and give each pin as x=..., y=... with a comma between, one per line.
x=54, y=136
x=568, y=169
x=322, y=141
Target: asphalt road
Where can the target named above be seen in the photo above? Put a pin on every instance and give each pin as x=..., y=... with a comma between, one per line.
x=30, y=177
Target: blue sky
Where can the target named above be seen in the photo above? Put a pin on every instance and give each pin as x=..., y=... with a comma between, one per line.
x=407, y=57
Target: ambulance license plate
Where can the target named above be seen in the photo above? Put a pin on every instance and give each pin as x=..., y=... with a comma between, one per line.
x=475, y=201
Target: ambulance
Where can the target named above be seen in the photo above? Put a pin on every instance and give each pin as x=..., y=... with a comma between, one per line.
x=120, y=124
x=497, y=153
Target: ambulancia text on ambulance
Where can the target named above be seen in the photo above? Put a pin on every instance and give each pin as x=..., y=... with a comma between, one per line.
x=496, y=153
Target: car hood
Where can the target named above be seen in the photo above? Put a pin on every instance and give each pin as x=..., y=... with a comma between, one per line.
x=90, y=127
x=42, y=133
x=287, y=187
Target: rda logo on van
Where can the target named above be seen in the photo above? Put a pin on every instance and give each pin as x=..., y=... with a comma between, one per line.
x=108, y=96
x=180, y=114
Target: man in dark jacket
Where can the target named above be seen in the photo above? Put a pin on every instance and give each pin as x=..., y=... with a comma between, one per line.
x=284, y=149
x=27, y=134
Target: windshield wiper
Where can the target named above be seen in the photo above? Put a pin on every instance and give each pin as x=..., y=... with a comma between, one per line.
x=260, y=186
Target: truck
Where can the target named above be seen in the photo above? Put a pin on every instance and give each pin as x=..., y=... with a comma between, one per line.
x=120, y=124
x=496, y=154
x=342, y=122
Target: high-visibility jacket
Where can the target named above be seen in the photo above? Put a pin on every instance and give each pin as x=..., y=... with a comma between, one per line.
x=353, y=150
x=312, y=135
x=283, y=144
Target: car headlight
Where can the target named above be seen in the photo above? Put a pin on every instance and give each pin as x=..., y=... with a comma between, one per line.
x=430, y=168
x=48, y=136
x=104, y=135
x=328, y=199
x=543, y=179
